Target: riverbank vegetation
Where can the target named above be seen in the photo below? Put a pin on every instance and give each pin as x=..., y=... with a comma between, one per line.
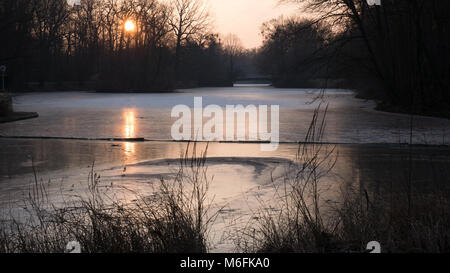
x=174, y=219
x=177, y=218
x=395, y=53
x=313, y=216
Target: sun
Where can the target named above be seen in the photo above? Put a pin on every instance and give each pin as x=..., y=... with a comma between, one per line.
x=130, y=26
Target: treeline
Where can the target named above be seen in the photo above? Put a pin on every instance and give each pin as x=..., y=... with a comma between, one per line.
x=290, y=51
x=52, y=44
x=396, y=52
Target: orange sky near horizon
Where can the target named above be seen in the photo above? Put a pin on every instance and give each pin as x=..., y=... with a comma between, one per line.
x=245, y=17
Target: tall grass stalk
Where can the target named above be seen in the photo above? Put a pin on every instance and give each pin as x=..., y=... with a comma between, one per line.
x=175, y=219
x=305, y=220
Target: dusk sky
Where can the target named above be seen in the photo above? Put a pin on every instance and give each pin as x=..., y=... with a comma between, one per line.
x=245, y=17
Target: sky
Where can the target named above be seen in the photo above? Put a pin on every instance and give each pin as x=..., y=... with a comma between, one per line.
x=245, y=17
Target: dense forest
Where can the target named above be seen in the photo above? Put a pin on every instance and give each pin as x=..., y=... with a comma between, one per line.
x=396, y=52
x=52, y=44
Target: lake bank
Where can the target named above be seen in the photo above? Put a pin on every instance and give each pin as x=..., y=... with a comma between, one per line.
x=7, y=113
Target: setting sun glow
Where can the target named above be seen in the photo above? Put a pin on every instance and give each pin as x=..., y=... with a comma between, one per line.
x=130, y=26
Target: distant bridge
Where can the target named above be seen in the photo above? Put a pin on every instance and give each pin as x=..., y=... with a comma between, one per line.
x=254, y=79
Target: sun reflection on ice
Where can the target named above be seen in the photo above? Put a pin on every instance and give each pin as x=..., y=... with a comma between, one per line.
x=130, y=123
x=129, y=129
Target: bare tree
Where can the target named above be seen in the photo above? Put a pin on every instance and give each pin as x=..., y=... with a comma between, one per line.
x=233, y=47
x=190, y=18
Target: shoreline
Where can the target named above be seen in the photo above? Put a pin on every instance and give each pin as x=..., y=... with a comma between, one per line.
x=17, y=116
x=144, y=140
x=379, y=105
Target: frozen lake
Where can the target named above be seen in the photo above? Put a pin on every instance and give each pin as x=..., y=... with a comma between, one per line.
x=92, y=115
x=368, y=145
